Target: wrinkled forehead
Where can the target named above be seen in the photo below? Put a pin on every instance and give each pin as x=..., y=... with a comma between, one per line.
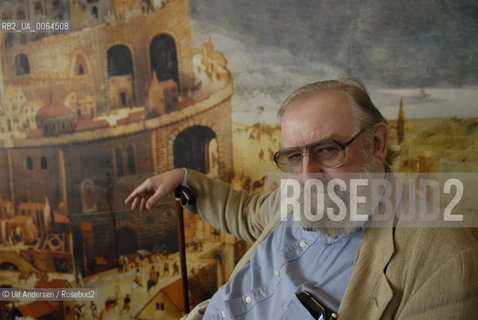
x=322, y=116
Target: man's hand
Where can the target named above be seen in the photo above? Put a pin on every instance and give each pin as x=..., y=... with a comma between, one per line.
x=155, y=188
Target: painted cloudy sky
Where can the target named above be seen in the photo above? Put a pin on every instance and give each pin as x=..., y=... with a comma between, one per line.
x=397, y=47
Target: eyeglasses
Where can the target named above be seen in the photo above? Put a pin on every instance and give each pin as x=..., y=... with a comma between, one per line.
x=328, y=153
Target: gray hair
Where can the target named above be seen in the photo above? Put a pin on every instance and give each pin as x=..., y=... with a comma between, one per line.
x=365, y=114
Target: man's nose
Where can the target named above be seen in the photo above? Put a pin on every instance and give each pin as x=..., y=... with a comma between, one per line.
x=310, y=168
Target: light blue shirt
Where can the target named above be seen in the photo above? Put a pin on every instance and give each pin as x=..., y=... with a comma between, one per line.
x=288, y=261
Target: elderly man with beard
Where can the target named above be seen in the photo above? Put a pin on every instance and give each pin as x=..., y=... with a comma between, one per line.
x=353, y=270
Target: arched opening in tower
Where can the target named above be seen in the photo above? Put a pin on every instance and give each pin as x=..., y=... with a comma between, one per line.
x=80, y=66
x=119, y=61
x=164, y=58
x=192, y=148
x=8, y=266
x=22, y=64
x=120, y=73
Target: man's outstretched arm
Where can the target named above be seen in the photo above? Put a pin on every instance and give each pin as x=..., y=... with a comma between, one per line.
x=235, y=212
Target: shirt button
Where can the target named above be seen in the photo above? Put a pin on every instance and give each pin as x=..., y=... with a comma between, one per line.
x=276, y=272
x=223, y=314
x=302, y=244
x=248, y=299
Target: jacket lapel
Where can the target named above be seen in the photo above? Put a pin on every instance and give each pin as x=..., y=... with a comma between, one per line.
x=368, y=292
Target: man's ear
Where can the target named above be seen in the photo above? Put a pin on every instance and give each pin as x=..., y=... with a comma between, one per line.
x=380, y=140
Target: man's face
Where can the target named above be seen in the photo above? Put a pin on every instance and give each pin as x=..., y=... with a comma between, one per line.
x=324, y=116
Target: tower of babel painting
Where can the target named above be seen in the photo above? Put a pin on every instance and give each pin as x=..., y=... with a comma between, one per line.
x=87, y=115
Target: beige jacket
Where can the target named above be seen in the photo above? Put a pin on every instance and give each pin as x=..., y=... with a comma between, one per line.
x=398, y=273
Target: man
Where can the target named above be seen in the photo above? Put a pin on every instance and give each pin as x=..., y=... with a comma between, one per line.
x=355, y=270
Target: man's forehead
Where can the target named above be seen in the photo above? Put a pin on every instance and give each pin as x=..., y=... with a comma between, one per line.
x=326, y=115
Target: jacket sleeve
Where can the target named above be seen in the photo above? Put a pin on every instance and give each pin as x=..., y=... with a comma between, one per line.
x=450, y=292
x=235, y=212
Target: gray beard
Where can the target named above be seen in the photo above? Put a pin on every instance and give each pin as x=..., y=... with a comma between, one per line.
x=330, y=229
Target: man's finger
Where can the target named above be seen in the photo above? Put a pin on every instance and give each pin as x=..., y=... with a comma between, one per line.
x=131, y=196
x=138, y=191
x=141, y=204
x=135, y=203
x=158, y=195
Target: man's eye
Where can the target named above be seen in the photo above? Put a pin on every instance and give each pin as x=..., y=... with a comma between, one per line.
x=329, y=149
x=324, y=151
x=294, y=156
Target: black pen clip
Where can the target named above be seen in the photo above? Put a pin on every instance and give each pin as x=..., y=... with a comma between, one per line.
x=316, y=309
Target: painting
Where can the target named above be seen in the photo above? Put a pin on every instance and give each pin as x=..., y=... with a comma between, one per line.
x=139, y=87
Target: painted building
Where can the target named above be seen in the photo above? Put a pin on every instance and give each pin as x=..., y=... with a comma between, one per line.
x=96, y=135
